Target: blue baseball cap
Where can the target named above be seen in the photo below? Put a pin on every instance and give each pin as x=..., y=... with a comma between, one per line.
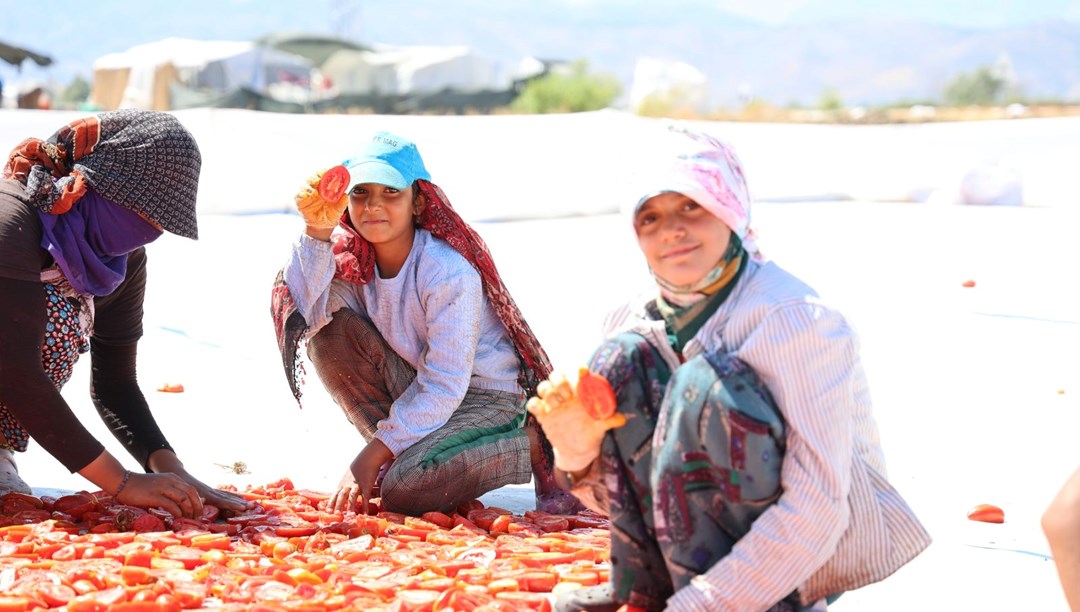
x=389, y=160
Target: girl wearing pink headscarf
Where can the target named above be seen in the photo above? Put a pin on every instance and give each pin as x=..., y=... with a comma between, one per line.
x=748, y=474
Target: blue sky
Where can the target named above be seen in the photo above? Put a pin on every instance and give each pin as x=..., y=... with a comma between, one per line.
x=77, y=36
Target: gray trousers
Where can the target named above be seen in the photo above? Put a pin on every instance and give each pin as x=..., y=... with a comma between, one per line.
x=480, y=448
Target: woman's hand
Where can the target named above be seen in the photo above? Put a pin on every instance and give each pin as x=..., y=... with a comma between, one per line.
x=167, y=491
x=575, y=434
x=165, y=461
x=225, y=500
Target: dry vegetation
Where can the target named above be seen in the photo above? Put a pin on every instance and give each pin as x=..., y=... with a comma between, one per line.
x=908, y=114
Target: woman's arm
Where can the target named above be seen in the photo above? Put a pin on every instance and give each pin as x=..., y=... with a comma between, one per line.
x=115, y=391
x=35, y=402
x=26, y=390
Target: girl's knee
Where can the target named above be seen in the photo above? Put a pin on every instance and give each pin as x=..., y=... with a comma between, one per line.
x=345, y=332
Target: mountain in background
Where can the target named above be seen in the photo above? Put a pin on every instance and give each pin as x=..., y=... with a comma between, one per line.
x=865, y=61
x=863, y=54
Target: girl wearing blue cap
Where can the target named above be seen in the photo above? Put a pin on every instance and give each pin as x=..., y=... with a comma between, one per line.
x=416, y=338
x=743, y=470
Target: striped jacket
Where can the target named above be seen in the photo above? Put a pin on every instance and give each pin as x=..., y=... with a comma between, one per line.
x=839, y=524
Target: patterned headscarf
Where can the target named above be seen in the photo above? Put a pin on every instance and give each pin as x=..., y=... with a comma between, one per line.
x=145, y=161
x=707, y=171
x=355, y=263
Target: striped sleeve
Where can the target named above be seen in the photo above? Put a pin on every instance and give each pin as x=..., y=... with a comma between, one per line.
x=805, y=355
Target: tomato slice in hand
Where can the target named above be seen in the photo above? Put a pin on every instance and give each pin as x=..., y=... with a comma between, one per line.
x=334, y=183
x=596, y=394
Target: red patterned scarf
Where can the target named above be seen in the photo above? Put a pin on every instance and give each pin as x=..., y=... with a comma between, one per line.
x=355, y=263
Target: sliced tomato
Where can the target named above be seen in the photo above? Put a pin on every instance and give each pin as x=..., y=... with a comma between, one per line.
x=501, y=524
x=596, y=395
x=484, y=517
x=147, y=522
x=987, y=513
x=75, y=505
x=14, y=604
x=54, y=594
x=334, y=183
x=439, y=519
x=523, y=600
x=465, y=507
x=462, y=599
x=294, y=531
x=13, y=503
x=537, y=582
x=210, y=513
x=580, y=521
x=420, y=523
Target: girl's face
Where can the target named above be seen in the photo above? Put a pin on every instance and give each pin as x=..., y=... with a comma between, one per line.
x=681, y=240
x=383, y=215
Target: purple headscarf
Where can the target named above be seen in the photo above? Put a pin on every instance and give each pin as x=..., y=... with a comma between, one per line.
x=91, y=242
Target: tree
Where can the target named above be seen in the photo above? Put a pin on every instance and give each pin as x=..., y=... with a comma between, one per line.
x=568, y=90
x=76, y=92
x=986, y=85
x=830, y=100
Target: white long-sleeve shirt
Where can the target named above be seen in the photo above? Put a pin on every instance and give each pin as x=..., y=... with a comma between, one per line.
x=838, y=524
x=433, y=314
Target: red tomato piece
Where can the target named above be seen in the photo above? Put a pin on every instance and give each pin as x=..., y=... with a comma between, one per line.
x=439, y=519
x=418, y=599
x=76, y=505
x=460, y=599
x=14, y=603
x=13, y=503
x=464, y=508
x=501, y=524
x=210, y=513
x=484, y=517
x=987, y=513
x=523, y=600
x=334, y=183
x=296, y=531
x=420, y=523
x=587, y=521
x=595, y=394
x=537, y=582
x=54, y=594
x=147, y=522
x=551, y=523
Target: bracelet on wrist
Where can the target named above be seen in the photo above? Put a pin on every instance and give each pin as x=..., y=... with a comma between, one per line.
x=123, y=483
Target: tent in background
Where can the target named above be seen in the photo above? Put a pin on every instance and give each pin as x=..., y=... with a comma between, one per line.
x=315, y=47
x=668, y=87
x=181, y=73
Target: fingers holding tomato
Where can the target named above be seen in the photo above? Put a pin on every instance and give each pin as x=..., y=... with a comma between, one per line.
x=167, y=491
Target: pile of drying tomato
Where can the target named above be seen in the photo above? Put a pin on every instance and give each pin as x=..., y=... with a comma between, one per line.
x=87, y=552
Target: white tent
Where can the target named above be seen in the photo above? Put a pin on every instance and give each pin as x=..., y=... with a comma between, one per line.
x=670, y=85
x=141, y=76
x=422, y=70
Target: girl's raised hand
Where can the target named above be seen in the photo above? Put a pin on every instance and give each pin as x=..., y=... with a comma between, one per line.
x=323, y=200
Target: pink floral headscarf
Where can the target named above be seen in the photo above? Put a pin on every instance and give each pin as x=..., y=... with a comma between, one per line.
x=707, y=171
